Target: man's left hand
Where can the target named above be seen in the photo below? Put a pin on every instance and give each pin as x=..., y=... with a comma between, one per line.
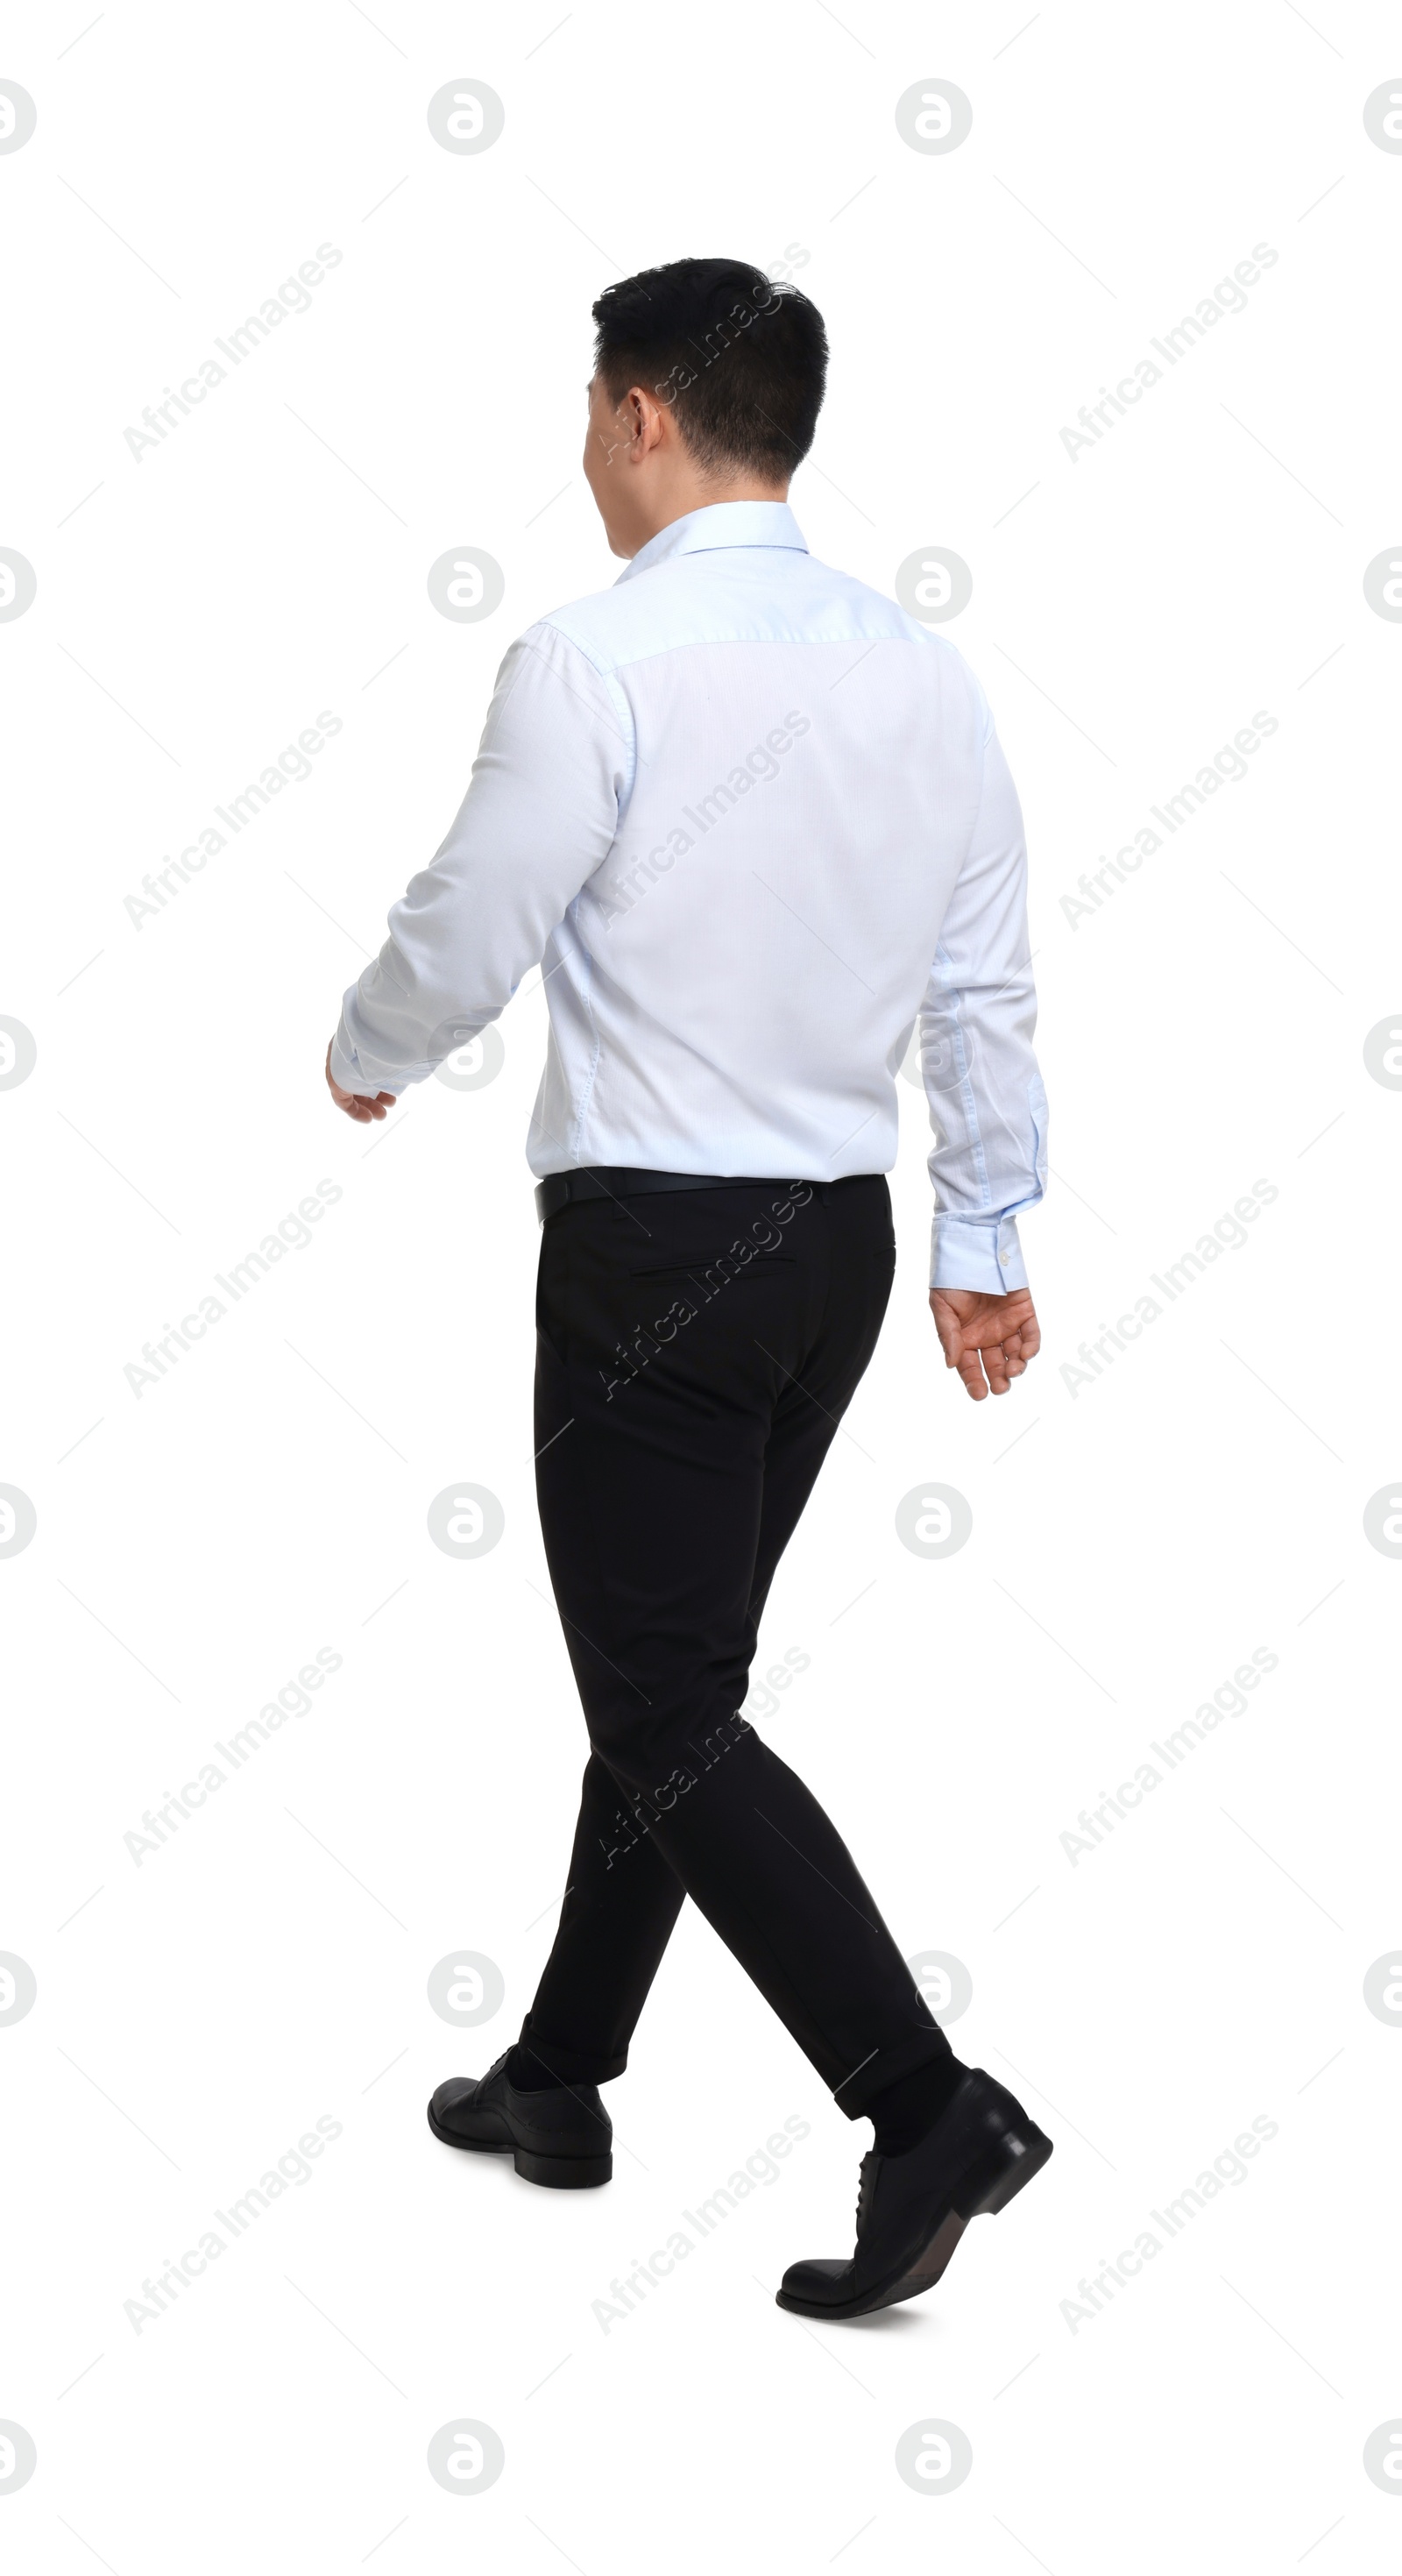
x=978, y=1332
x=360, y=1105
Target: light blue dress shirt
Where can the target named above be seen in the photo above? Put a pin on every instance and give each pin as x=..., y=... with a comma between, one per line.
x=755, y=824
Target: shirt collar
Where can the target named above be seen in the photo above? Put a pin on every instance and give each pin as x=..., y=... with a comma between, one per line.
x=723, y=523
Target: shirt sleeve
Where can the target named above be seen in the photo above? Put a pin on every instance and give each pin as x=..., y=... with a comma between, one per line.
x=540, y=814
x=988, y=1108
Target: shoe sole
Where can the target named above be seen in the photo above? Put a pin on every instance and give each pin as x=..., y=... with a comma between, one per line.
x=554, y=2173
x=986, y=2189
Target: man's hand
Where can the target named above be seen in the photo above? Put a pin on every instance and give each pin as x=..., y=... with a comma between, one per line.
x=360, y=1105
x=978, y=1332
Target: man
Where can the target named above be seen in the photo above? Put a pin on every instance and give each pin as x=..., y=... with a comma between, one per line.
x=753, y=822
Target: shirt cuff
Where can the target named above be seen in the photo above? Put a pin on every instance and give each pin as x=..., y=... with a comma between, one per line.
x=976, y=1252
x=348, y=1074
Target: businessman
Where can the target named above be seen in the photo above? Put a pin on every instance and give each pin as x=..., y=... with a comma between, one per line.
x=755, y=826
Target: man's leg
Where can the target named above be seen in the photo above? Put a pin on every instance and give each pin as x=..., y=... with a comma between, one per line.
x=615, y=1923
x=697, y=1351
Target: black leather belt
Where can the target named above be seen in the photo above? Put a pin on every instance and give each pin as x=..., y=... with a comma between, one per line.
x=614, y=1181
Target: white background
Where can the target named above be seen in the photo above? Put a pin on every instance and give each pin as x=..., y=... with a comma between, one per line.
x=1134, y=1539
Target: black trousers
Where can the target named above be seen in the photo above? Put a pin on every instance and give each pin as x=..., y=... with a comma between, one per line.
x=696, y=1351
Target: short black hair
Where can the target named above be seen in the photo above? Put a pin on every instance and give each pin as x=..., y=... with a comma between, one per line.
x=742, y=359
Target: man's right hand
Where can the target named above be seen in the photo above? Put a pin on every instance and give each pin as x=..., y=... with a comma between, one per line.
x=360, y=1105
x=978, y=1332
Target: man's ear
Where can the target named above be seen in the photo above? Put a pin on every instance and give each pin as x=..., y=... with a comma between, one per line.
x=642, y=433
x=647, y=423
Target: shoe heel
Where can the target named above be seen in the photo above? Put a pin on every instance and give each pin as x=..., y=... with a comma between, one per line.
x=563, y=2173
x=1021, y=2153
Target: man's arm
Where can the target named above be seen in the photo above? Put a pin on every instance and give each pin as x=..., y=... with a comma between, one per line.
x=539, y=815
x=987, y=1105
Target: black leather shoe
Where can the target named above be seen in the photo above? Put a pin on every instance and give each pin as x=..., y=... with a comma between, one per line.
x=562, y=2137
x=913, y=2209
